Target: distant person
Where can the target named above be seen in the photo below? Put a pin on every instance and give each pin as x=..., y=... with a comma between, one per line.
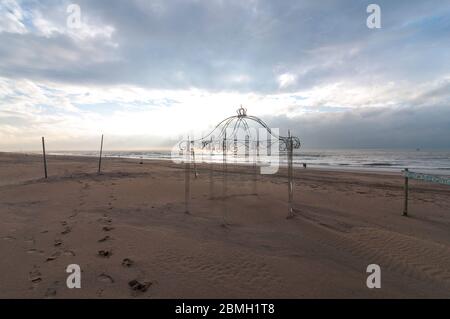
x=304, y=165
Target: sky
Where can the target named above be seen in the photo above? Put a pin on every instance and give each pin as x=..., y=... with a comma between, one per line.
x=145, y=72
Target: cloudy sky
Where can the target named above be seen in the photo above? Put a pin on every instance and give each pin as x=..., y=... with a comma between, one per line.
x=145, y=71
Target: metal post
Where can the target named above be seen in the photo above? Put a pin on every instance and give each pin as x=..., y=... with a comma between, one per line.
x=255, y=166
x=193, y=159
x=45, y=158
x=257, y=149
x=211, y=170
x=405, y=205
x=100, y=157
x=247, y=147
x=290, y=176
x=187, y=177
x=224, y=168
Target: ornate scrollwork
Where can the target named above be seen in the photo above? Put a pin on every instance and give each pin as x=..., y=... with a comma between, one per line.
x=235, y=123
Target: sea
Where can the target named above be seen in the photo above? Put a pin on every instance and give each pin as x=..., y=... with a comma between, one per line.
x=423, y=161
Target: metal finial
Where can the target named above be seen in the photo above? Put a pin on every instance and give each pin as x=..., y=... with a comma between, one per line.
x=242, y=111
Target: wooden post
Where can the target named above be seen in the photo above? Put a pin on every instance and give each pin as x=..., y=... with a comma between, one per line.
x=187, y=177
x=45, y=158
x=290, y=176
x=100, y=157
x=405, y=205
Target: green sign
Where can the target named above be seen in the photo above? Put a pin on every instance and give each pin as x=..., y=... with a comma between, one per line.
x=428, y=178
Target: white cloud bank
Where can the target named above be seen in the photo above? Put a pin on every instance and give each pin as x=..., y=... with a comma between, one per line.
x=144, y=72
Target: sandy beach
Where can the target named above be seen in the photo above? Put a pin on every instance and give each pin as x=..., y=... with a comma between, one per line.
x=129, y=223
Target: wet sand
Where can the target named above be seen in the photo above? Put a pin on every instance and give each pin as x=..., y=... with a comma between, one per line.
x=129, y=223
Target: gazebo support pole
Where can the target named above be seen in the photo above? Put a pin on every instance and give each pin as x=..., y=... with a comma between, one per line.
x=224, y=169
x=211, y=172
x=193, y=159
x=187, y=177
x=255, y=167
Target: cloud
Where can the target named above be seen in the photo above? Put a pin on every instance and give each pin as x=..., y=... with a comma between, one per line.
x=213, y=45
x=400, y=128
x=286, y=80
x=336, y=116
x=158, y=68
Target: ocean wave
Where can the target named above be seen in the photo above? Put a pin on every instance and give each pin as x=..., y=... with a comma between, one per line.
x=380, y=164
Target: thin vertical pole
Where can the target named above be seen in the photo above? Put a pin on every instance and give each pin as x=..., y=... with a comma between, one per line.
x=100, y=156
x=45, y=158
x=224, y=168
x=187, y=177
x=257, y=149
x=211, y=171
x=193, y=159
x=247, y=147
x=405, y=205
x=290, y=176
x=255, y=166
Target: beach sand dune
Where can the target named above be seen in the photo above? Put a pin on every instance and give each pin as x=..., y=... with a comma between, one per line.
x=128, y=231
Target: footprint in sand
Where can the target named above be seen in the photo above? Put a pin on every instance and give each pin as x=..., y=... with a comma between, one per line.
x=70, y=253
x=75, y=212
x=101, y=240
x=66, y=230
x=137, y=286
x=105, y=253
x=58, y=242
x=35, y=251
x=105, y=278
x=107, y=228
x=53, y=256
x=105, y=220
x=35, y=275
x=127, y=262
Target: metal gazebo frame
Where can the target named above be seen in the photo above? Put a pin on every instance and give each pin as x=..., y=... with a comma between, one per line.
x=220, y=138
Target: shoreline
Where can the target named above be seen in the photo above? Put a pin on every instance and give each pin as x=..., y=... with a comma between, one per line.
x=331, y=168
